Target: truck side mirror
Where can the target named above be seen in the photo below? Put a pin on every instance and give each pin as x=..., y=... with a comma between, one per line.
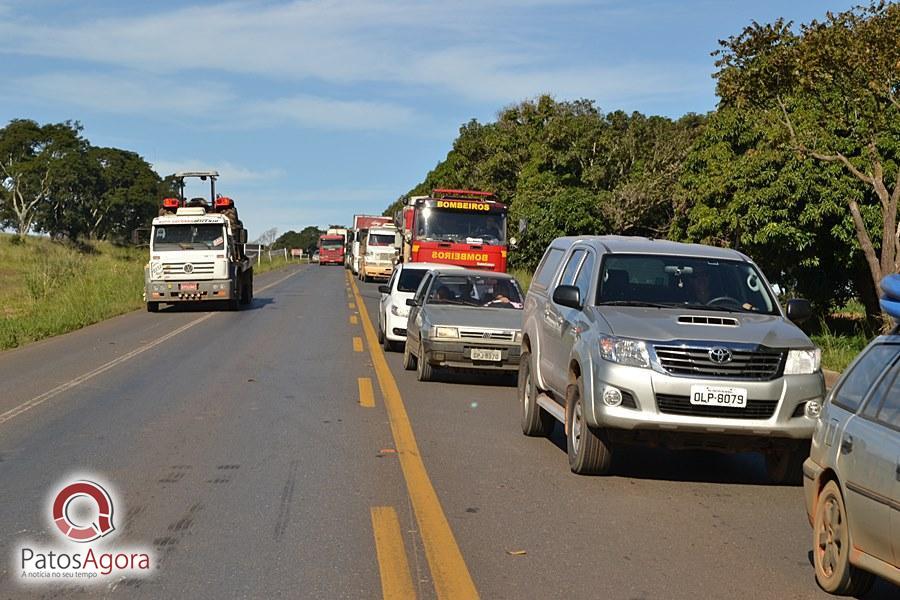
x=384, y=289
x=567, y=295
x=242, y=236
x=412, y=302
x=798, y=310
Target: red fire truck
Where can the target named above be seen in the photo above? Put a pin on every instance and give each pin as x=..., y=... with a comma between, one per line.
x=457, y=227
x=331, y=249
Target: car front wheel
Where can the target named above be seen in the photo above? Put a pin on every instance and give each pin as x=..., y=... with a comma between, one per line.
x=409, y=361
x=831, y=546
x=590, y=452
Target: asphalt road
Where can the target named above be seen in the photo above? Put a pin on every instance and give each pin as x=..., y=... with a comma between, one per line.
x=273, y=452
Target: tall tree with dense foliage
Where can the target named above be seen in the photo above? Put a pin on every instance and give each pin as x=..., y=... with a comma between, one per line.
x=833, y=88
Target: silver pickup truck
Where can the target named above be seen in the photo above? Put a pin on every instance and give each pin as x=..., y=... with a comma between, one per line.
x=639, y=341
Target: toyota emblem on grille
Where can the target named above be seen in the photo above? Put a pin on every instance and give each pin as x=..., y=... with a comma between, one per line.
x=720, y=355
x=189, y=268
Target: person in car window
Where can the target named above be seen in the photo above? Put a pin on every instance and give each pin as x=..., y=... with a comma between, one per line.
x=443, y=293
x=491, y=229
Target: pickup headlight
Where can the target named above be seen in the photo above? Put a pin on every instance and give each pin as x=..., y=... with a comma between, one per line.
x=399, y=311
x=444, y=332
x=803, y=362
x=632, y=353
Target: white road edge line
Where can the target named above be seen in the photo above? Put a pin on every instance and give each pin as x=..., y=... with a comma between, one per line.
x=38, y=400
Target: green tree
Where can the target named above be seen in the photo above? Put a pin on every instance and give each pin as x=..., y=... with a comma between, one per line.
x=832, y=88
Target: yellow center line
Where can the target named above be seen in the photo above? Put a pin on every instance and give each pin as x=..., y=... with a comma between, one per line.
x=354, y=320
x=396, y=582
x=366, y=394
x=351, y=305
x=357, y=344
x=448, y=568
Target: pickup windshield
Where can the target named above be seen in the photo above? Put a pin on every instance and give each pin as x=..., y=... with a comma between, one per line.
x=476, y=290
x=188, y=237
x=454, y=226
x=683, y=282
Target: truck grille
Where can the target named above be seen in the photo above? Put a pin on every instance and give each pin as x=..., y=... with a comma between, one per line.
x=681, y=405
x=696, y=362
x=197, y=268
x=474, y=334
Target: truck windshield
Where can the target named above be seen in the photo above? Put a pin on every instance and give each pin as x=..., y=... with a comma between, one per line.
x=683, y=282
x=380, y=239
x=476, y=290
x=188, y=237
x=331, y=244
x=456, y=226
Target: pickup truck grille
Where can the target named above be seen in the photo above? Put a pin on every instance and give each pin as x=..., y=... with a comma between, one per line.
x=197, y=268
x=474, y=334
x=696, y=362
x=681, y=405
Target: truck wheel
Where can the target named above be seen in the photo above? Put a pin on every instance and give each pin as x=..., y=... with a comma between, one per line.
x=535, y=420
x=381, y=336
x=831, y=547
x=409, y=361
x=590, y=452
x=153, y=307
x=247, y=289
x=424, y=369
x=784, y=466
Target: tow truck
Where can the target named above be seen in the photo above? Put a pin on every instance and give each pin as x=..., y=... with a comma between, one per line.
x=197, y=250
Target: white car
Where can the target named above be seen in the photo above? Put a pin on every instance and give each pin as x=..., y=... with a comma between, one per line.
x=392, y=309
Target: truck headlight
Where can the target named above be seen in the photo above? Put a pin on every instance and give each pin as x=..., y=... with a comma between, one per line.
x=445, y=332
x=632, y=353
x=399, y=311
x=156, y=270
x=803, y=362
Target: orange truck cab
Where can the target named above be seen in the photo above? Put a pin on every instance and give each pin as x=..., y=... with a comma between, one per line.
x=456, y=227
x=331, y=249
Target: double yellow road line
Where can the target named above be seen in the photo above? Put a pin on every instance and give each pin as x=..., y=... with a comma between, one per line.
x=448, y=568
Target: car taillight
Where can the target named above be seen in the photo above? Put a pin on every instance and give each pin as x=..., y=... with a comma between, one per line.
x=171, y=202
x=224, y=202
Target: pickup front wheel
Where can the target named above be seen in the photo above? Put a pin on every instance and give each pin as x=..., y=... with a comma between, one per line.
x=535, y=420
x=590, y=452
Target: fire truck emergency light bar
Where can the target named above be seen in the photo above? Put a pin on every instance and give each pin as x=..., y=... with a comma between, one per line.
x=473, y=194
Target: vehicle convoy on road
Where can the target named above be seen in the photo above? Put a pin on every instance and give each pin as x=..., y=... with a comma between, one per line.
x=393, y=311
x=355, y=235
x=640, y=341
x=197, y=250
x=463, y=318
x=331, y=249
x=378, y=252
x=851, y=479
x=457, y=227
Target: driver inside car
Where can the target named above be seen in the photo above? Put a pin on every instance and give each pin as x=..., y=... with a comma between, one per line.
x=705, y=290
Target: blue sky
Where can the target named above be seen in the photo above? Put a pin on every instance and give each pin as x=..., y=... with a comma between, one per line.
x=318, y=109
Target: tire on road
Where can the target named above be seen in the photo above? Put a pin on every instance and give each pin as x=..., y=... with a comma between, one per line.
x=784, y=465
x=409, y=359
x=424, y=369
x=590, y=452
x=153, y=307
x=536, y=421
x=831, y=547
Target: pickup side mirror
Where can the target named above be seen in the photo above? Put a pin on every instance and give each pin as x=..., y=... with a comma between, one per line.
x=567, y=295
x=384, y=289
x=412, y=302
x=798, y=310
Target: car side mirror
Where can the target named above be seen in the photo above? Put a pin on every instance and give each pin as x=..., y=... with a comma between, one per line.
x=384, y=289
x=412, y=302
x=567, y=295
x=798, y=310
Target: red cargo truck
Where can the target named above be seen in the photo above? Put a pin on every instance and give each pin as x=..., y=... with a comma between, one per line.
x=331, y=249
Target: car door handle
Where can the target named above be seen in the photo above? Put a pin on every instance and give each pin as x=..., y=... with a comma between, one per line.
x=847, y=444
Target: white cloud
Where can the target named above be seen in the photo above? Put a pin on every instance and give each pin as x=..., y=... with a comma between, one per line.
x=328, y=113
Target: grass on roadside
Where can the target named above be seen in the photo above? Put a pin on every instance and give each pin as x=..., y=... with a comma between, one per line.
x=838, y=350
x=47, y=288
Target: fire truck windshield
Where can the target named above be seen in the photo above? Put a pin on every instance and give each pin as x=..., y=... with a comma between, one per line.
x=457, y=226
x=331, y=244
x=188, y=237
